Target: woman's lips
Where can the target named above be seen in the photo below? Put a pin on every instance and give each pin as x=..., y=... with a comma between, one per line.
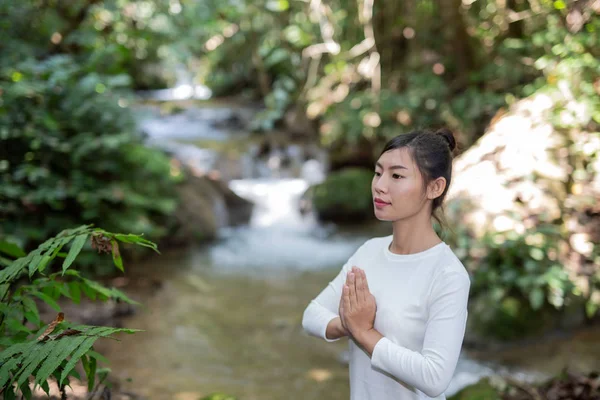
x=380, y=203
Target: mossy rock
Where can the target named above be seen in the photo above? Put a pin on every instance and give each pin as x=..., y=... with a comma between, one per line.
x=344, y=197
x=482, y=390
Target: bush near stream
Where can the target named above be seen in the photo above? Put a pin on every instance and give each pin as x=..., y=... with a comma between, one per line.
x=70, y=153
x=344, y=197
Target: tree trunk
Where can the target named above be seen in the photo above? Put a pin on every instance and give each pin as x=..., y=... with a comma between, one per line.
x=457, y=44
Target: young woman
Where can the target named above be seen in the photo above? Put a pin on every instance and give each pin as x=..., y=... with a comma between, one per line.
x=402, y=299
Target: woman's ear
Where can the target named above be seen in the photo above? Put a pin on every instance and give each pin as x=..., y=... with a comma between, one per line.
x=436, y=188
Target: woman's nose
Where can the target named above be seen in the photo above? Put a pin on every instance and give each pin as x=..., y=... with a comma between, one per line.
x=380, y=185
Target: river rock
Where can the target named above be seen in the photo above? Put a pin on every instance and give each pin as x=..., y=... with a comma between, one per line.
x=205, y=206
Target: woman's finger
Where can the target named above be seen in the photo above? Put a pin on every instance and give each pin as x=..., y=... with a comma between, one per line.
x=362, y=279
x=352, y=290
x=346, y=298
x=366, y=283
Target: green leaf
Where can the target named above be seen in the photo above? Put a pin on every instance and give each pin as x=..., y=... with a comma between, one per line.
x=3, y=290
x=6, y=369
x=30, y=306
x=43, y=263
x=10, y=394
x=32, y=360
x=46, y=388
x=76, y=247
x=91, y=375
x=11, y=249
x=46, y=299
x=37, y=257
x=98, y=356
x=75, y=291
x=61, y=350
x=26, y=390
x=96, y=287
x=81, y=350
x=116, y=254
x=15, y=325
x=136, y=239
x=89, y=292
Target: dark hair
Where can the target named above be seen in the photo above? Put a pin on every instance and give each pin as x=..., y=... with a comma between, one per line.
x=432, y=153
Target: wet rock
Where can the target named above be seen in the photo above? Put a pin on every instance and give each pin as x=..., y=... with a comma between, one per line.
x=205, y=206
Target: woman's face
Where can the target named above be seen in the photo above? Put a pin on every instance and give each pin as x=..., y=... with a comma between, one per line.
x=397, y=186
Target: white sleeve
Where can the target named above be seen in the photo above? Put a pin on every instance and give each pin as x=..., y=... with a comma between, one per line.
x=431, y=370
x=325, y=306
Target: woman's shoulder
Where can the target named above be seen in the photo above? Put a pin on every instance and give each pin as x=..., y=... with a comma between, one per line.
x=375, y=244
x=450, y=264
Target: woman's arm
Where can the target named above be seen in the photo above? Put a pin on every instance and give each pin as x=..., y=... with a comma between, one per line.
x=321, y=317
x=431, y=370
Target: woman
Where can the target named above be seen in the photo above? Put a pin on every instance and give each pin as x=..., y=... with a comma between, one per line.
x=402, y=299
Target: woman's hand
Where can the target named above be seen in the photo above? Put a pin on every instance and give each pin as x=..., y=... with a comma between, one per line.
x=357, y=305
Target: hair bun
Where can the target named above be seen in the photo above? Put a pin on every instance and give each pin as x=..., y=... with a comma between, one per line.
x=448, y=137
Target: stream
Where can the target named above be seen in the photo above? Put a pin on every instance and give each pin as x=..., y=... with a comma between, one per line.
x=226, y=317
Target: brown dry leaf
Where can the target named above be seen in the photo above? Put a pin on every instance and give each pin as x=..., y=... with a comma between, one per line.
x=68, y=332
x=59, y=318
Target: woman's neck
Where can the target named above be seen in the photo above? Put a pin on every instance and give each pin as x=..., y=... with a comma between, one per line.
x=413, y=235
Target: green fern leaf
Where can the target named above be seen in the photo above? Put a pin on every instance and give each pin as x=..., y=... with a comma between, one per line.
x=76, y=247
x=46, y=388
x=16, y=349
x=75, y=291
x=15, y=269
x=81, y=350
x=33, y=358
x=26, y=391
x=46, y=299
x=62, y=348
x=35, y=259
x=6, y=369
x=11, y=249
x=91, y=374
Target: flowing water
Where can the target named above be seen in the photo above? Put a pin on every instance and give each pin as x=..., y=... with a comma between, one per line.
x=227, y=316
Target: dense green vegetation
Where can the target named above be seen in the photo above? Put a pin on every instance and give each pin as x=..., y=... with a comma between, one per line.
x=30, y=346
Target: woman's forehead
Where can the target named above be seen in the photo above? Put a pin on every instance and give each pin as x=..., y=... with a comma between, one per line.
x=397, y=157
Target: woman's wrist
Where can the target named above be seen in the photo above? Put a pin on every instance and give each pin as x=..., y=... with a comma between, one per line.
x=368, y=340
x=335, y=329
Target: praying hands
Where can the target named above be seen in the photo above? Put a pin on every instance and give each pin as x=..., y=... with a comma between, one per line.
x=357, y=310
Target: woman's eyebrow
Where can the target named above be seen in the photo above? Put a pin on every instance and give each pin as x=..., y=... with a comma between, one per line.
x=392, y=167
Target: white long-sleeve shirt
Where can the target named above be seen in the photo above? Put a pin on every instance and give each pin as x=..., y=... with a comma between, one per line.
x=421, y=312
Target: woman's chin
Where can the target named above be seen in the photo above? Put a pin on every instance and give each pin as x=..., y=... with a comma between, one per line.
x=381, y=215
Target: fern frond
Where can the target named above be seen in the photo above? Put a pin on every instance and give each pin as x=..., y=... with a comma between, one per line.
x=19, y=361
x=40, y=257
x=60, y=352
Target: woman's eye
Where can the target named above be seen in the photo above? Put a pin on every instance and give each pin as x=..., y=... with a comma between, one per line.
x=377, y=173
x=396, y=176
